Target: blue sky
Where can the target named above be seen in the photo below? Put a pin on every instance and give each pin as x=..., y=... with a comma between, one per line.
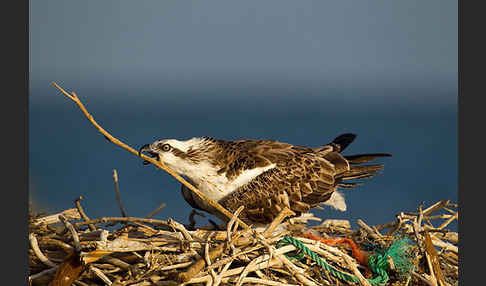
x=203, y=44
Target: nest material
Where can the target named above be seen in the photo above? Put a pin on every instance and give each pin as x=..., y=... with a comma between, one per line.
x=66, y=250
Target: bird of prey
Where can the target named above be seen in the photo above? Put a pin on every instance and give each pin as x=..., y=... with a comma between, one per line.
x=264, y=175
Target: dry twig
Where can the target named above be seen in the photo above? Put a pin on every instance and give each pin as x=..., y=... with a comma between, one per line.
x=70, y=214
x=82, y=213
x=154, y=212
x=117, y=191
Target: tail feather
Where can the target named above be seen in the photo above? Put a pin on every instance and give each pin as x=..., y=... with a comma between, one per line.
x=363, y=158
x=355, y=177
x=346, y=169
x=350, y=162
x=360, y=172
x=347, y=185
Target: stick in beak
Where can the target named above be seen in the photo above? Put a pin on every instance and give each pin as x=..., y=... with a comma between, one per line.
x=144, y=148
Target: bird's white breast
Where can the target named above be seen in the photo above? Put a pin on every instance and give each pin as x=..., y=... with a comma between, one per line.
x=217, y=186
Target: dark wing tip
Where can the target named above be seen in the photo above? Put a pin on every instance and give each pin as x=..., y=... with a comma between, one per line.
x=344, y=140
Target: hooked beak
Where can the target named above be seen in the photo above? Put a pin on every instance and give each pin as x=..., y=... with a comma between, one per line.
x=144, y=148
x=148, y=149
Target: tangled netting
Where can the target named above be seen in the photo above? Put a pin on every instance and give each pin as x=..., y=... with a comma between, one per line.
x=379, y=262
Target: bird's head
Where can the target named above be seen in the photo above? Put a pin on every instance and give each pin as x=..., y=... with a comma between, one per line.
x=180, y=156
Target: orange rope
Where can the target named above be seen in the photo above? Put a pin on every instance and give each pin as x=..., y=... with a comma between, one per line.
x=360, y=255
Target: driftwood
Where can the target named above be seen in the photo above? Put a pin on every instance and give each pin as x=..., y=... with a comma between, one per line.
x=70, y=214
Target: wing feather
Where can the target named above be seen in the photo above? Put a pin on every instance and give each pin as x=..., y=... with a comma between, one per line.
x=300, y=181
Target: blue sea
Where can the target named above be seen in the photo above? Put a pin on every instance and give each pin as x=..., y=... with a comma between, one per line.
x=69, y=158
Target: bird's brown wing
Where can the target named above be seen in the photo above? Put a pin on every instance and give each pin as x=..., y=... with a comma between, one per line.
x=301, y=180
x=237, y=156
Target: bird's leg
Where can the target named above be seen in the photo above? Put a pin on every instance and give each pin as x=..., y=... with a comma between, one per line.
x=192, y=221
x=215, y=225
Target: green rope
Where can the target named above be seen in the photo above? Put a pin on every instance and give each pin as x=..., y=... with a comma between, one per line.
x=378, y=262
x=333, y=271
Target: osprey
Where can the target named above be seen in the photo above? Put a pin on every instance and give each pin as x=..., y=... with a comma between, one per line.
x=264, y=175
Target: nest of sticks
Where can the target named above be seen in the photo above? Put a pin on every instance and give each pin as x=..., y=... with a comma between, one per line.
x=68, y=248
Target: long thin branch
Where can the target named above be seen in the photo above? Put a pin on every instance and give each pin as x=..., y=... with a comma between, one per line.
x=151, y=214
x=159, y=164
x=122, y=219
x=117, y=191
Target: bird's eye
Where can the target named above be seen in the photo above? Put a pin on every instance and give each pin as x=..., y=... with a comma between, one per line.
x=165, y=147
